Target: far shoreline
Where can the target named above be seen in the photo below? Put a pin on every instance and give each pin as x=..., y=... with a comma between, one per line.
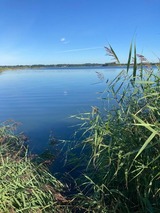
x=42, y=66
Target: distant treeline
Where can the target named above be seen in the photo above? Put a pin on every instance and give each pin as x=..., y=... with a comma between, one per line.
x=38, y=66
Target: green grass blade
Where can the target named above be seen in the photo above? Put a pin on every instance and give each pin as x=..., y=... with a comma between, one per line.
x=145, y=144
x=135, y=64
x=129, y=58
x=114, y=54
x=146, y=125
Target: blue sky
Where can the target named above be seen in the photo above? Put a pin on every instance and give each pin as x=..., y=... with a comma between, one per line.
x=76, y=31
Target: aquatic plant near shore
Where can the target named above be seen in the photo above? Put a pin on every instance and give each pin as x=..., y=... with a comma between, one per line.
x=25, y=186
x=122, y=173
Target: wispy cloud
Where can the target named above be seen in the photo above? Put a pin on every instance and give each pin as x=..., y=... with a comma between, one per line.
x=82, y=49
x=63, y=40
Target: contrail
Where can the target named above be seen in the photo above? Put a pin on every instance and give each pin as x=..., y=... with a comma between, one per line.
x=82, y=49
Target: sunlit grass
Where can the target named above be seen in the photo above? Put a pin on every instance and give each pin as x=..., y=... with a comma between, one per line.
x=123, y=169
x=25, y=186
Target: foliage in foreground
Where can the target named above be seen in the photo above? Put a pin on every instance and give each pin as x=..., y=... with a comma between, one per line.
x=123, y=169
x=25, y=186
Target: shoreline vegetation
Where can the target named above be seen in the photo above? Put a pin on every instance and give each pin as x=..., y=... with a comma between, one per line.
x=120, y=154
x=42, y=66
x=26, y=185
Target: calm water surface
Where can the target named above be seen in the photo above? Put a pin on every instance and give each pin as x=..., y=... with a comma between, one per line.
x=43, y=100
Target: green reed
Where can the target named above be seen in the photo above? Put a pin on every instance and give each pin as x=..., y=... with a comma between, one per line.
x=123, y=169
x=25, y=186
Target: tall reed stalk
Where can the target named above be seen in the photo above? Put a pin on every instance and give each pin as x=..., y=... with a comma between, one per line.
x=123, y=169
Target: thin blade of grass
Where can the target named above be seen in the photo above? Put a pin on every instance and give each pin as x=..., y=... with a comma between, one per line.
x=129, y=58
x=142, y=123
x=135, y=64
x=114, y=54
x=145, y=144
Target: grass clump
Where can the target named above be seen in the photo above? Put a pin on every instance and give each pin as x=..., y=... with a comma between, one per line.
x=25, y=186
x=123, y=169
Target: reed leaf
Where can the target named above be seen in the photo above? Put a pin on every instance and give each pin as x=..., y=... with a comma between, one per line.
x=129, y=58
x=135, y=64
x=149, y=139
x=111, y=52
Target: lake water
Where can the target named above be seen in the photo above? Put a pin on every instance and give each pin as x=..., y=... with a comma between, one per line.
x=43, y=100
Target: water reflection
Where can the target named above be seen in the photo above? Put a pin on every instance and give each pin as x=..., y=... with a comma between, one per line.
x=43, y=100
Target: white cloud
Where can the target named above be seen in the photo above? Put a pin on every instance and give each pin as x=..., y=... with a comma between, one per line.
x=64, y=40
